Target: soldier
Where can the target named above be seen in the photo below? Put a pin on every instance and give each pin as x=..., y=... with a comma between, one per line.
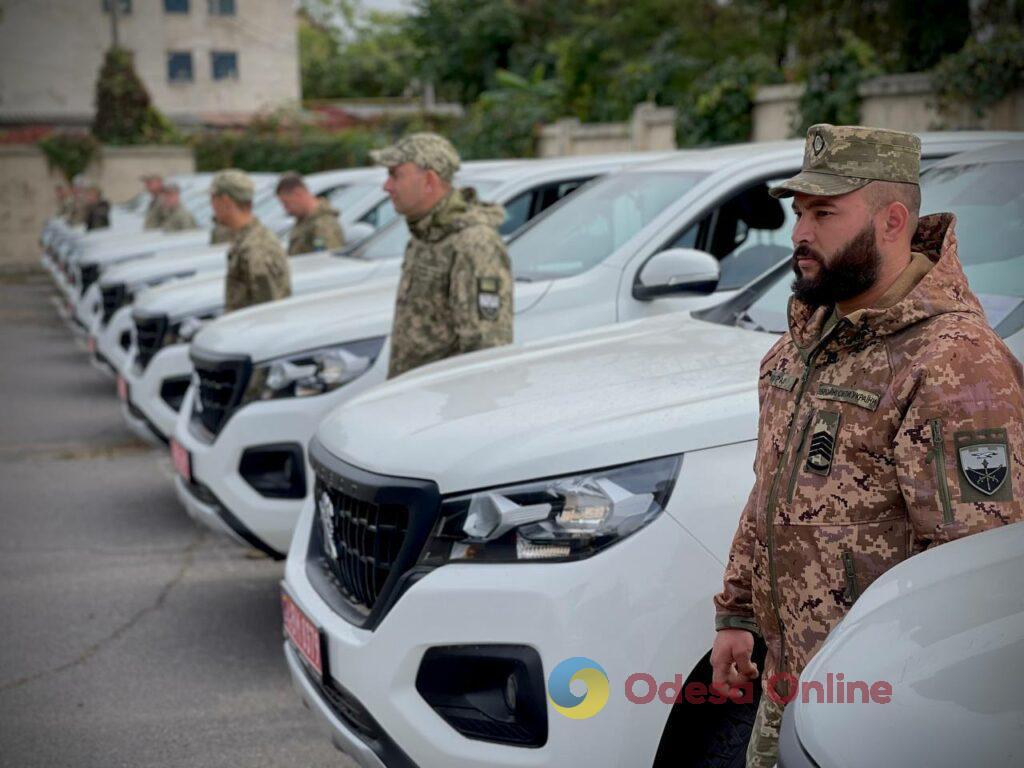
x=257, y=265
x=220, y=233
x=65, y=201
x=455, y=293
x=78, y=204
x=97, y=209
x=154, y=213
x=176, y=217
x=892, y=416
x=316, y=227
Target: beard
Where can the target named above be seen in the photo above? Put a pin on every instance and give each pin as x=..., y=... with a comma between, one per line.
x=853, y=269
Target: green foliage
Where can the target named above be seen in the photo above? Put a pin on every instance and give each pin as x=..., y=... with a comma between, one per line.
x=719, y=110
x=833, y=78
x=70, y=153
x=504, y=121
x=982, y=74
x=124, y=113
x=306, y=153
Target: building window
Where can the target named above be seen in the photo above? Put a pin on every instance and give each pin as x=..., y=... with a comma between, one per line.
x=221, y=7
x=123, y=6
x=179, y=67
x=175, y=6
x=225, y=65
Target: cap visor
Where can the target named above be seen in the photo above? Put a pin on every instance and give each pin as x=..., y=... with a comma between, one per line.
x=388, y=156
x=815, y=183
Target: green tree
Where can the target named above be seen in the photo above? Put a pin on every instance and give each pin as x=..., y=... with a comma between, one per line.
x=124, y=112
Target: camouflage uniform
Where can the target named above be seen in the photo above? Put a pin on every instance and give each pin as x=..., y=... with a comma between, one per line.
x=257, y=265
x=881, y=433
x=179, y=219
x=97, y=215
x=221, y=234
x=320, y=231
x=155, y=215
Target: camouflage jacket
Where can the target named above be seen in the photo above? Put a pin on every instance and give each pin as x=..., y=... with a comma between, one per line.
x=221, y=234
x=455, y=292
x=177, y=220
x=257, y=268
x=882, y=433
x=320, y=231
x=155, y=215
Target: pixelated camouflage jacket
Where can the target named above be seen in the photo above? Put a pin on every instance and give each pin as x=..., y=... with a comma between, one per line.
x=880, y=434
x=221, y=234
x=155, y=215
x=320, y=231
x=257, y=268
x=455, y=292
x=178, y=220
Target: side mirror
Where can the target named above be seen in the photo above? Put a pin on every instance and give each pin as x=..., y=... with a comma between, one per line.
x=356, y=233
x=677, y=270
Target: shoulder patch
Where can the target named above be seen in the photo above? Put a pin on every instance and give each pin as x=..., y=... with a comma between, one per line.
x=488, y=300
x=983, y=458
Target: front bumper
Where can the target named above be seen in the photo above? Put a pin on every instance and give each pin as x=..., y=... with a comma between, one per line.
x=145, y=404
x=643, y=605
x=288, y=421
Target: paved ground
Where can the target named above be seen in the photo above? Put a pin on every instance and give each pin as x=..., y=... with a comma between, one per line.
x=129, y=636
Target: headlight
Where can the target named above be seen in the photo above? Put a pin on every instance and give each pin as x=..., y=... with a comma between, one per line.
x=568, y=518
x=312, y=373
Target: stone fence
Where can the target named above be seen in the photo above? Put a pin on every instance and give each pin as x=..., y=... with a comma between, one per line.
x=651, y=128
x=900, y=102
x=27, y=189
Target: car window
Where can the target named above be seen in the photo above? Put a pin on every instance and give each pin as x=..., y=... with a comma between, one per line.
x=517, y=212
x=599, y=219
x=342, y=197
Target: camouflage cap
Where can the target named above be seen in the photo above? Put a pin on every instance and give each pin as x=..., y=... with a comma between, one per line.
x=427, y=150
x=842, y=158
x=235, y=184
x=172, y=187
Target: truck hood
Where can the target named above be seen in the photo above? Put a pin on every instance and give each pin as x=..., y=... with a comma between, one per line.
x=166, y=265
x=609, y=396
x=327, y=318
x=310, y=274
x=144, y=245
x=946, y=630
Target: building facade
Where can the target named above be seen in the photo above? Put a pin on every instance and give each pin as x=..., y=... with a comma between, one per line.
x=203, y=61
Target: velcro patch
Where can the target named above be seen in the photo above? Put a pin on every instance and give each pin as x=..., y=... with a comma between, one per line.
x=488, y=285
x=824, y=428
x=782, y=380
x=488, y=300
x=859, y=397
x=983, y=458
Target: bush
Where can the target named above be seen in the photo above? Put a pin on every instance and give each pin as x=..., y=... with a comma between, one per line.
x=306, y=153
x=833, y=80
x=124, y=113
x=719, y=107
x=70, y=153
x=981, y=74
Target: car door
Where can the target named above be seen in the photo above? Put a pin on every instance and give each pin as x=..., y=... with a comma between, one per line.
x=747, y=232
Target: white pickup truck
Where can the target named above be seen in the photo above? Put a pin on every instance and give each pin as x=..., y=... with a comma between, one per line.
x=485, y=524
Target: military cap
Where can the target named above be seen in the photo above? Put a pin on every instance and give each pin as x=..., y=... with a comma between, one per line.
x=842, y=158
x=235, y=184
x=427, y=150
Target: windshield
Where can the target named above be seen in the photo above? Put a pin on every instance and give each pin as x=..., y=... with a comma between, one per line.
x=390, y=243
x=342, y=198
x=268, y=208
x=988, y=201
x=601, y=217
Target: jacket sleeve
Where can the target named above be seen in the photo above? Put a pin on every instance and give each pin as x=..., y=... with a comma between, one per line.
x=734, y=607
x=480, y=291
x=959, y=450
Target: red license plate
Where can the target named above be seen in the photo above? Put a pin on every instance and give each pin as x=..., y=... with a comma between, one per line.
x=92, y=345
x=303, y=634
x=122, y=389
x=181, y=460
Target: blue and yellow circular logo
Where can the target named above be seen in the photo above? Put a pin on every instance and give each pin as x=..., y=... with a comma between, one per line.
x=591, y=674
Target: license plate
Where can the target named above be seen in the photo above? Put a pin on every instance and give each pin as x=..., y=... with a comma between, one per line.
x=303, y=634
x=122, y=389
x=181, y=460
x=92, y=345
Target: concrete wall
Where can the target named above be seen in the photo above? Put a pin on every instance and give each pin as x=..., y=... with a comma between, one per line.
x=650, y=129
x=27, y=190
x=51, y=52
x=901, y=102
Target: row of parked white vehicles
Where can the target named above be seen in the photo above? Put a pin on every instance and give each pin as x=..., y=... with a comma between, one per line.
x=454, y=534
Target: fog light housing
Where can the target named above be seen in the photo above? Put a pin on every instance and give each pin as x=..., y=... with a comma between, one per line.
x=172, y=391
x=276, y=471
x=489, y=693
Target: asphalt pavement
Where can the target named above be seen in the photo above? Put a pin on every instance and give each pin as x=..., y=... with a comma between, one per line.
x=130, y=636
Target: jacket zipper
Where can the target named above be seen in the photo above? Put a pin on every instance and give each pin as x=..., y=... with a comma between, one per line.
x=939, y=460
x=852, y=593
x=796, y=457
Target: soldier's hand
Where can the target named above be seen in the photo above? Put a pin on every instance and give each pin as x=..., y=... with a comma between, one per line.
x=730, y=660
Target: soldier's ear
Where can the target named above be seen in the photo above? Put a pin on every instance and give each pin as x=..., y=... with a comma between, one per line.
x=895, y=222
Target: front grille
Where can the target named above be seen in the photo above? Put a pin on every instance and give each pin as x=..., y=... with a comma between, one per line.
x=368, y=533
x=114, y=297
x=221, y=384
x=150, y=331
x=90, y=273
